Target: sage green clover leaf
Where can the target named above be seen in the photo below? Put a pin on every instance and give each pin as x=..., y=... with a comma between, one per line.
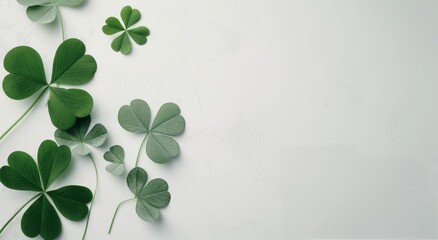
x=122, y=43
x=116, y=156
x=160, y=146
x=150, y=197
x=46, y=11
x=23, y=173
x=71, y=66
x=78, y=138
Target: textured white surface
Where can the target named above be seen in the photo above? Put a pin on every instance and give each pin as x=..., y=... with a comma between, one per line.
x=305, y=119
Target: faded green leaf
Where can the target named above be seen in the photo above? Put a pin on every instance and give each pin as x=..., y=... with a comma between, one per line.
x=116, y=155
x=46, y=11
x=136, y=117
x=160, y=146
x=150, y=197
x=79, y=139
x=122, y=43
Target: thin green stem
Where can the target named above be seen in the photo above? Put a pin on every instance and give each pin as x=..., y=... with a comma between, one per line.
x=139, y=150
x=24, y=114
x=94, y=196
x=61, y=22
x=19, y=210
x=115, y=214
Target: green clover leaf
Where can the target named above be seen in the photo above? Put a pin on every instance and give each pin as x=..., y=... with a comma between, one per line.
x=23, y=173
x=78, y=138
x=160, y=146
x=150, y=197
x=116, y=156
x=46, y=11
x=122, y=43
x=71, y=67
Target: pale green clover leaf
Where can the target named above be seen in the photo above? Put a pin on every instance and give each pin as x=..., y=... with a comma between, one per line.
x=116, y=155
x=150, y=197
x=23, y=173
x=78, y=138
x=160, y=146
x=71, y=66
x=122, y=43
x=46, y=11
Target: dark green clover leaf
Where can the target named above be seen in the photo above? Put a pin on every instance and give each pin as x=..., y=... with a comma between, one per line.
x=71, y=67
x=122, y=43
x=78, y=138
x=46, y=11
x=160, y=146
x=150, y=197
x=23, y=173
x=116, y=156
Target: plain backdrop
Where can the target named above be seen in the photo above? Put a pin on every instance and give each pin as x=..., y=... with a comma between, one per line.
x=305, y=119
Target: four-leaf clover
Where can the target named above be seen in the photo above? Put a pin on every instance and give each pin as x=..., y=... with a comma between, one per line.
x=122, y=43
x=71, y=66
x=160, y=147
x=45, y=11
x=23, y=173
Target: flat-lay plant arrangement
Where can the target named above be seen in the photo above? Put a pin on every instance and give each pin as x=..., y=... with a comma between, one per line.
x=70, y=108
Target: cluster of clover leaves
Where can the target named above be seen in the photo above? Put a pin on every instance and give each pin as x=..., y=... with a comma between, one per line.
x=69, y=111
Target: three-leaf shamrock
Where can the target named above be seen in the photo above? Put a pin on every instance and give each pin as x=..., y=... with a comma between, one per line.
x=116, y=155
x=46, y=11
x=23, y=173
x=122, y=43
x=78, y=138
x=160, y=147
x=71, y=67
x=151, y=197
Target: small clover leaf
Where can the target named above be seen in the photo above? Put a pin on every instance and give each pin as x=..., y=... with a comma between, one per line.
x=23, y=173
x=122, y=43
x=46, y=11
x=116, y=155
x=150, y=197
x=78, y=138
x=71, y=66
x=160, y=146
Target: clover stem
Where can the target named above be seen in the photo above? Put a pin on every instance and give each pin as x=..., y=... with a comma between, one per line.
x=115, y=213
x=19, y=210
x=94, y=196
x=61, y=22
x=139, y=150
x=24, y=114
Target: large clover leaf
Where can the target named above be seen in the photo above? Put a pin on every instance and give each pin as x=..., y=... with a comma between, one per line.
x=122, y=43
x=71, y=67
x=46, y=11
x=23, y=173
x=78, y=138
x=160, y=147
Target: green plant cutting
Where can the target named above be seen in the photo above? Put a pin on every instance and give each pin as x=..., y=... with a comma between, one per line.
x=79, y=139
x=27, y=78
x=23, y=173
x=122, y=43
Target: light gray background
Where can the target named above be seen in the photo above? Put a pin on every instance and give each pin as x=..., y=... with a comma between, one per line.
x=305, y=119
